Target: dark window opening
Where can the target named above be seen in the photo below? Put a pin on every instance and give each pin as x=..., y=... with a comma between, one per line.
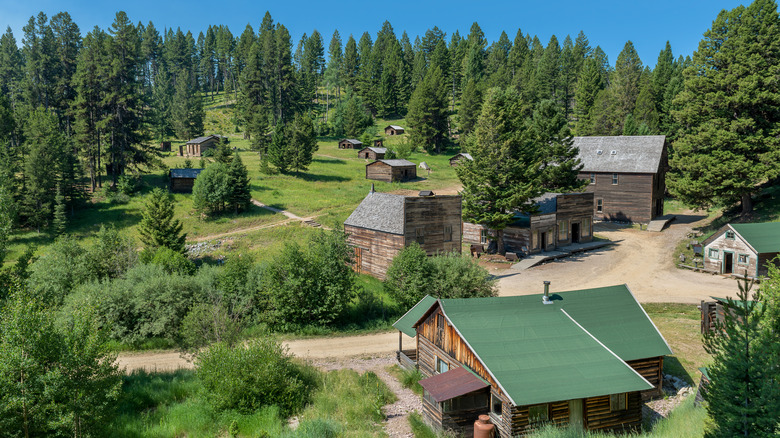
x=496, y=404
x=420, y=235
x=538, y=413
x=618, y=402
x=599, y=205
x=466, y=402
x=448, y=233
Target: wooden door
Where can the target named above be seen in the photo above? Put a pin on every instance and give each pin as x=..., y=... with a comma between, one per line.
x=728, y=262
x=358, y=260
x=575, y=232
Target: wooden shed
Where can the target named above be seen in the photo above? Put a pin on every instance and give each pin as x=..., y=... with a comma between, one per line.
x=350, y=143
x=383, y=224
x=165, y=146
x=391, y=170
x=742, y=249
x=572, y=358
x=560, y=219
x=393, y=130
x=455, y=161
x=198, y=146
x=182, y=180
x=372, y=153
x=379, y=143
x=627, y=175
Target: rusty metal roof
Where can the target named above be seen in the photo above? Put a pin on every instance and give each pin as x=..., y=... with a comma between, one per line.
x=453, y=383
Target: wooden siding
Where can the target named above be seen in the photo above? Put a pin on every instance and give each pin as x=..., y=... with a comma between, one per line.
x=392, y=131
x=197, y=150
x=428, y=217
x=598, y=415
x=370, y=155
x=461, y=422
x=455, y=161
x=344, y=144
x=735, y=246
x=652, y=370
x=380, y=171
x=575, y=209
x=711, y=313
x=376, y=248
x=763, y=260
x=634, y=198
x=182, y=185
x=472, y=233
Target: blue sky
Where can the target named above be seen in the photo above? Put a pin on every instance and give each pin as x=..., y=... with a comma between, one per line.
x=648, y=24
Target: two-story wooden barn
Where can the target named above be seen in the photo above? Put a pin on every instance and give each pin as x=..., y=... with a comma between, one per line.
x=198, y=146
x=627, y=175
x=391, y=170
x=350, y=143
x=560, y=219
x=582, y=357
x=182, y=180
x=372, y=153
x=394, y=130
x=455, y=161
x=743, y=249
x=383, y=224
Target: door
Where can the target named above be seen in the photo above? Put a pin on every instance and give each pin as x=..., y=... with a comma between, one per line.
x=543, y=241
x=575, y=414
x=575, y=232
x=728, y=262
x=358, y=260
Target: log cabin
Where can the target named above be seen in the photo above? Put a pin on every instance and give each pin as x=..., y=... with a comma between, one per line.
x=393, y=130
x=383, y=224
x=743, y=249
x=182, y=180
x=380, y=143
x=350, y=143
x=583, y=357
x=165, y=146
x=627, y=175
x=372, y=153
x=198, y=146
x=560, y=219
x=391, y=170
x=455, y=161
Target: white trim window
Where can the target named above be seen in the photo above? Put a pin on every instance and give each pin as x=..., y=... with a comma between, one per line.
x=713, y=254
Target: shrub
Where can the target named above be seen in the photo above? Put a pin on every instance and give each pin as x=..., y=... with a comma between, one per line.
x=211, y=190
x=206, y=324
x=409, y=276
x=173, y=262
x=261, y=373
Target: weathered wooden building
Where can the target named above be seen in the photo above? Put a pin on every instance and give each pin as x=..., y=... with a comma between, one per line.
x=165, y=146
x=198, y=146
x=385, y=223
x=393, y=130
x=743, y=249
x=455, y=161
x=391, y=170
x=584, y=357
x=372, y=153
x=627, y=175
x=560, y=219
x=182, y=180
x=380, y=143
x=350, y=143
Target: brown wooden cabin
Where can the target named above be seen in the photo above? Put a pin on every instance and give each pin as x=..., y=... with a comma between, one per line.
x=455, y=161
x=701, y=390
x=391, y=170
x=627, y=175
x=713, y=313
x=383, y=224
x=379, y=143
x=561, y=219
x=743, y=249
x=165, y=146
x=372, y=153
x=526, y=361
x=393, y=130
x=198, y=146
x=350, y=143
x=182, y=180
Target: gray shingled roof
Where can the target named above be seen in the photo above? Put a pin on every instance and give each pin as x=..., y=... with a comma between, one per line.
x=548, y=203
x=378, y=150
x=381, y=212
x=632, y=153
x=200, y=140
x=465, y=155
x=352, y=140
x=396, y=127
x=185, y=173
x=397, y=162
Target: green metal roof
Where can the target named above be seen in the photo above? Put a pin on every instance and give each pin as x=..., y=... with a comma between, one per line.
x=406, y=323
x=763, y=237
x=573, y=348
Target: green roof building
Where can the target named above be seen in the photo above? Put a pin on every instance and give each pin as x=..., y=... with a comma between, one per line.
x=742, y=249
x=585, y=357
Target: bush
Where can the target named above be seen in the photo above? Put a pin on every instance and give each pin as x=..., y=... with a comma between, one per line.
x=127, y=184
x=246, y=378
x=206, y=324
x=173, y=262
x=211, y=190
x=409, y=276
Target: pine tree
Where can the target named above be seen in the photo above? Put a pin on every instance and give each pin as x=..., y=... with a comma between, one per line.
x=6, y=220
x=46, y=146
x=60, y=221
x=240, y=194
x=277, y=153
x=158, y=227
x=729, y=144
x=625, y=82
x=303, y=142
x=427, y=115
x=550, y=133
x=470, y=106
x=186, y=110
x=589, y=85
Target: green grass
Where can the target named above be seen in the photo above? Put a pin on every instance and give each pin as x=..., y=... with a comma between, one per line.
x=680, y=326
x=174, y=405
x=408, y=378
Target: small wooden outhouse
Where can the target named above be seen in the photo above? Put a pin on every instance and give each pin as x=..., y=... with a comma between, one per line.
x=372, y=153
x=393, y=130
x=182, y=180
x=391, y=170
x=455, y=161
x=165, y=146
x=742, y=249
x=198, y=146
x=350, y=143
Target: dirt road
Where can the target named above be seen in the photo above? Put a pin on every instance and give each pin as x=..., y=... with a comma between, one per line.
x=640, y=259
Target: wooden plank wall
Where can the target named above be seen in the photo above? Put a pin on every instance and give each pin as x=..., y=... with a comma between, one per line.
x=763, y=260
x=182, y=185
x=575, y=208
x=403, y=173
x=378, y=249
x=379, y=171
x=736, y=246
x=652, y=370
x=598, y=415
x=432, y=214
x=472, y=233
x=630, y=200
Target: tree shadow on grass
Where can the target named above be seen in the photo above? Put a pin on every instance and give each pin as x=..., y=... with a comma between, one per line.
x=330, y=161
x=309, y=177
x=673, y=366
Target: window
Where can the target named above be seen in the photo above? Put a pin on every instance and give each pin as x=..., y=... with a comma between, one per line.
x=538, y=413
x=427, y=397
x=439, y=336
x=593, y=178
x=729, y=235
x=496, y=404
x=420, y=235
x=441, y=366
x=483, y=236
x=617, y=402
x=742, y=259
x=563, y=230
x=599, y=205
x=448, y=233
x=466, y=402
x=714, y=254
x=585, y=227
x=614, y=179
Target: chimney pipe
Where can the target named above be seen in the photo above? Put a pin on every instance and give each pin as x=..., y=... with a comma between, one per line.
x=546, y=297
x=372, y=188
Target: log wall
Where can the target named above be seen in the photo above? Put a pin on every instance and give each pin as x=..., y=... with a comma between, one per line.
x=182, y=185
x=437, y=219
x=599, y=416
x=634, y=198
x=380, y=171
x=652, y=370
x=376, y=249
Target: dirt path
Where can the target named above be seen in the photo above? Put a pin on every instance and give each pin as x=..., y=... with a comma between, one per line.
x=241, y=231
x=640, y=259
